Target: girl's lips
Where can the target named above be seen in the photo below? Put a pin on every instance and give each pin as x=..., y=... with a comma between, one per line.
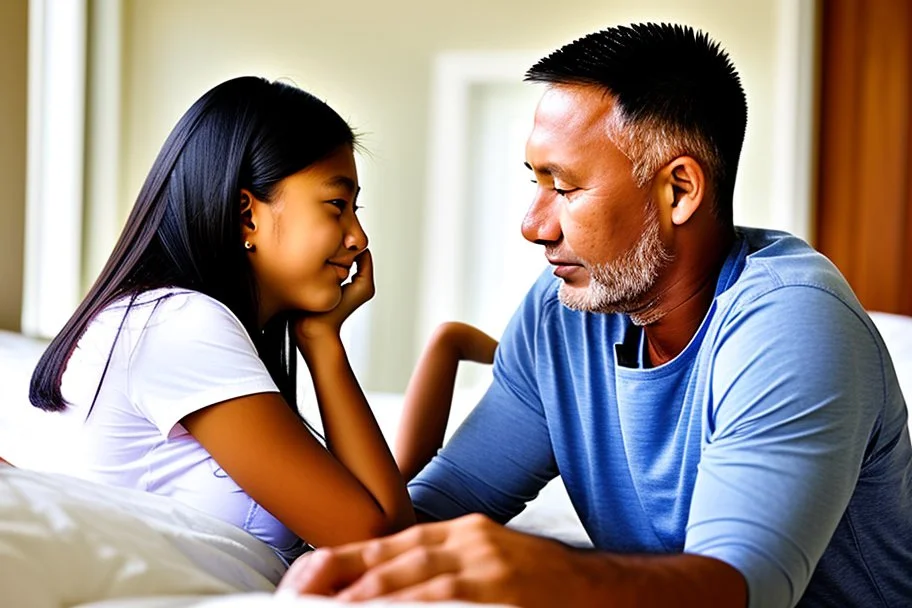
x=341, y=270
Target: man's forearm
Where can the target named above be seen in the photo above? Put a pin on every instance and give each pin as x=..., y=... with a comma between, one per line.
x=665, y=580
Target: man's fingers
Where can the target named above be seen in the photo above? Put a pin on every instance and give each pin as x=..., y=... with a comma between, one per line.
x=442, y=588
x=394, y=563
x=387, y=548
x=324, y=572
x=401, y=560
x=412, y=568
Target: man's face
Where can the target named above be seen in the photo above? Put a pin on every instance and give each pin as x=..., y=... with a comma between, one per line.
x=600, y=231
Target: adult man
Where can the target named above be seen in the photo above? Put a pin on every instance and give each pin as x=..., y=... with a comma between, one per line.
x=721, y=409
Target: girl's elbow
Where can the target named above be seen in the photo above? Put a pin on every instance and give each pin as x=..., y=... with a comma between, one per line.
x=390, y=523
x=383, y=524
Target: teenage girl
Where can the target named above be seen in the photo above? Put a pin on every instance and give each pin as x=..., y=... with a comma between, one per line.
x=181, y=358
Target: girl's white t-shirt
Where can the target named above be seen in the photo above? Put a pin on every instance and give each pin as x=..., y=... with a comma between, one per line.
x=177, y=352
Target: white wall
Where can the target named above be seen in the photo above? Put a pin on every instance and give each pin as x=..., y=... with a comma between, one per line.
x=373, y=64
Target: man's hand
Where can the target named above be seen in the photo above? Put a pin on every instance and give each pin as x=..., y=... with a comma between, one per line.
x=471, y=559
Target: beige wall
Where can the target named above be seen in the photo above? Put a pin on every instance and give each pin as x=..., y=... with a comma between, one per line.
x=372, y=62
x=13, y=75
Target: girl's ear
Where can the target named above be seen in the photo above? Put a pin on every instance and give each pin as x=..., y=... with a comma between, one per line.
x=248, y=223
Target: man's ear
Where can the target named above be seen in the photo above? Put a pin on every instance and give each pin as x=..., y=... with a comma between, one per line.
x=682, y=188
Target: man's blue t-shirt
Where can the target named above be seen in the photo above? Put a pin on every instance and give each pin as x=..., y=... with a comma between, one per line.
x=776, y=441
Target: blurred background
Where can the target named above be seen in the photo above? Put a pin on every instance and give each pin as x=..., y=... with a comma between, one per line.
x=91, y=89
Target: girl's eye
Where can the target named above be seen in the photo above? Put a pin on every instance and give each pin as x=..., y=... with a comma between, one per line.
x=338, y=203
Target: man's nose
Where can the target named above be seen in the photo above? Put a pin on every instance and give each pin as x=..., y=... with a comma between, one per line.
x=541, y=224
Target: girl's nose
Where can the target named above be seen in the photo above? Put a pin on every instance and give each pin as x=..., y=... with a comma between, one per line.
x=356, y=238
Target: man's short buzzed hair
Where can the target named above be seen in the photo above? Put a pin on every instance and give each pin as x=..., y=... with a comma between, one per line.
x=676, y=92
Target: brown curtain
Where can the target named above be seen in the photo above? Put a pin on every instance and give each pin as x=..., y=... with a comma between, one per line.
x=864, y=194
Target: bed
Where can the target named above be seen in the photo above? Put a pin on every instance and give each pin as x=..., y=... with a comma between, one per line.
x=66, y=542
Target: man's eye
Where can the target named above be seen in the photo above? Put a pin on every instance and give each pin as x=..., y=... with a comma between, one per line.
x=562, y=192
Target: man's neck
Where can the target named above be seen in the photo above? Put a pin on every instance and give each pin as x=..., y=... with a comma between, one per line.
x=685, y=300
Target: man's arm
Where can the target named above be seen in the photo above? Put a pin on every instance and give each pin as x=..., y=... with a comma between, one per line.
x=475, y=559
x=797, y=387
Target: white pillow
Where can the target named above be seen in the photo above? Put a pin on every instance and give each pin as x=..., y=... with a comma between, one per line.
x=68, y=542
x=65, y=542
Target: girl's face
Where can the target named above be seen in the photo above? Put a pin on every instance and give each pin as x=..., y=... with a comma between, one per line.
x=305, y=241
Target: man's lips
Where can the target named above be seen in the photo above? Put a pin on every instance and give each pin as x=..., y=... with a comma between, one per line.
x=561, y=262
x=564, y=268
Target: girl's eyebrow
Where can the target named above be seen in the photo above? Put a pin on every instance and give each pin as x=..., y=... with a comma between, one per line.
x=343, y=181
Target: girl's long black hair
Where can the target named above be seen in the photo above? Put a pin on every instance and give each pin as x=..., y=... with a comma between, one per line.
x=185, y=229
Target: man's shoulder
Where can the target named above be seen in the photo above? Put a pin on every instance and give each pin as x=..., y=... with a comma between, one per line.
x=775, y=260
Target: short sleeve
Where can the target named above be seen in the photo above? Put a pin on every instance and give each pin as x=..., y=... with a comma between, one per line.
x=192, y=353
x=797, y=387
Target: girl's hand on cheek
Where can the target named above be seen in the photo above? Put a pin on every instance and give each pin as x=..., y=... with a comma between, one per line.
x=323, y=325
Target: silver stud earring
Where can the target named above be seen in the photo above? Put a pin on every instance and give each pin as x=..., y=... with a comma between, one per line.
x=249, y=246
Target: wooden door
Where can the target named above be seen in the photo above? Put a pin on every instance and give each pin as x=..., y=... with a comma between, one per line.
x=864, y=194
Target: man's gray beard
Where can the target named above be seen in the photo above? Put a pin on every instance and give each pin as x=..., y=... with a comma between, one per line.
x=621, y=286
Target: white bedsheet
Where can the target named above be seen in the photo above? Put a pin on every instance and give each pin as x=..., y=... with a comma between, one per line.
x=260, y=600
x=896, y=331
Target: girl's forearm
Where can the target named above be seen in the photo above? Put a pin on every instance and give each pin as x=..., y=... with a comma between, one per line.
x=352, y=433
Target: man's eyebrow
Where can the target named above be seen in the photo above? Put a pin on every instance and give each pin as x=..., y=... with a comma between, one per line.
x=552, y=170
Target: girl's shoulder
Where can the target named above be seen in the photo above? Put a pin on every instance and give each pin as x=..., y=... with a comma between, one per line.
x=167, y=305
x=158, y=341
x=166, y=317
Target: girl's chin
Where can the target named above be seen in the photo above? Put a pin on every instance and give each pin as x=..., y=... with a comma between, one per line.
x=329, y=300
